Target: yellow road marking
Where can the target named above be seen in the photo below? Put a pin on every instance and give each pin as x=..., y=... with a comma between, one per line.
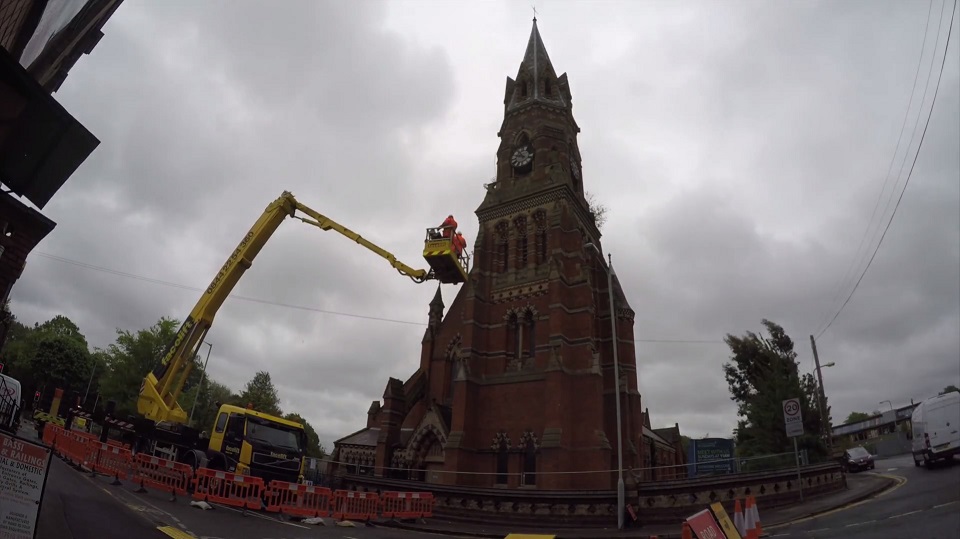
x=175, y=533
x=900, y=482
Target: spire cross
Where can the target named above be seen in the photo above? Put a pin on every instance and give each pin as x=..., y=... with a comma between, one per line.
x=534, y=13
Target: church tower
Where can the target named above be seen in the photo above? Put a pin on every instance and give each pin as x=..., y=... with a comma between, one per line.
x=516, y=384
x=532, y=391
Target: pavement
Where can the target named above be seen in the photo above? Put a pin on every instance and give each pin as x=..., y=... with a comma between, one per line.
x=860, y=487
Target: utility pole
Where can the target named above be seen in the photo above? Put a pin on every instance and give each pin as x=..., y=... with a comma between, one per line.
x=825, y=425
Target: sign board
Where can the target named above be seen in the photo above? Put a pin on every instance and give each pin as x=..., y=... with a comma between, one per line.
x=792, y=418
x=705, y=526
x=723, y=519
x=711, y=456
x=23, y=476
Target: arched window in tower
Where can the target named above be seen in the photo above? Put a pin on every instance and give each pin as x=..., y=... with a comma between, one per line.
x=501, y=448
x=502, y=239
x=540, y=236
x=520, y=223
x=512, y=345
x=528, y=442
x=529, y=324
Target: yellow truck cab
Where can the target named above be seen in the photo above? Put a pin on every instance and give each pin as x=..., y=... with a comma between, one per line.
x=254, y=443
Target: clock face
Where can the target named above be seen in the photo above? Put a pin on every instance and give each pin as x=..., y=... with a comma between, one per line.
x=574, y=169
x=521, y=157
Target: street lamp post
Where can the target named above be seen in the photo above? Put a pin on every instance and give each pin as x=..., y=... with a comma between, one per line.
x=203, y=373
x=621, y=494
x=889, y=403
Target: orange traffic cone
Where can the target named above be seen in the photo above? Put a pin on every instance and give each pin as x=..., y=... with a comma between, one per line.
x=738, y=522
x=756, y=518
x=749, y=524
x=687, y=533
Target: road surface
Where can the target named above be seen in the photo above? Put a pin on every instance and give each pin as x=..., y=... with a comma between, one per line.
x=926, y=505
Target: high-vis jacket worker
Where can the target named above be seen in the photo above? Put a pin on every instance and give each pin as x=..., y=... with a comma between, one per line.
x=459, y=244
x=449, y=226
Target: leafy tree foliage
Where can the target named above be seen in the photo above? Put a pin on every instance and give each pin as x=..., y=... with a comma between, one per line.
x=261, y=393
x=130, y=358
x=857, y=416
x=764, y=372
x=55, y=354
x=950, y=388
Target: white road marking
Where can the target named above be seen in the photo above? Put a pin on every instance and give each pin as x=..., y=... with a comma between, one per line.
x=909, y=513
x=944, y=504
x=819, y=530
x=891, y=469
x=859, y=523
x=258, y=515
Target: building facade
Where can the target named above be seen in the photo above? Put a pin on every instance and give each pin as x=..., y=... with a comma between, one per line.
x=41, y=144
x=516, y=384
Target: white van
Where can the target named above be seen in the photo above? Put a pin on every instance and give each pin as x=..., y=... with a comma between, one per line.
x=10, y=403
x=936, y=428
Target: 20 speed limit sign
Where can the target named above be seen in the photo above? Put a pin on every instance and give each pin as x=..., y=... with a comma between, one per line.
x=792, y=418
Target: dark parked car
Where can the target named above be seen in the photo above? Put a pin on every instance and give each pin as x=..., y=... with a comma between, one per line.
x=856, y=459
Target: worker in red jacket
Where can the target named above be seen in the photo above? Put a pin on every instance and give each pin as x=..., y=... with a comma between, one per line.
x=459, y=244
x=449, y=226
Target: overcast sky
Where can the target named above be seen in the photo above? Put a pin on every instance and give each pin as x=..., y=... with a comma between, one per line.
x=741, y=148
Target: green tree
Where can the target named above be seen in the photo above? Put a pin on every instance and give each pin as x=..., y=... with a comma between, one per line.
x=314, y=447
x=857, y=416
x=764, y=372
x=130, y=358
x=261, y=393
x=50, y=355
x=950, y=388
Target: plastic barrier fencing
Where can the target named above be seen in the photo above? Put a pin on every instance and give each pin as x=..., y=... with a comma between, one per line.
x=351, y=505
x=236, y=490
x=406, y=505
x=298, y=500
x=162, y=474
x=110, y=460
x=228, y=488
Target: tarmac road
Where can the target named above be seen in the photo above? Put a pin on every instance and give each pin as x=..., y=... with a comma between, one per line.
x=926, y=505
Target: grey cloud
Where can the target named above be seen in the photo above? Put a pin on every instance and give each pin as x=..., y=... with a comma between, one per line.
x=739, y=146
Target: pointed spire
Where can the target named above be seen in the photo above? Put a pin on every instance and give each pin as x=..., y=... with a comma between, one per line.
x=437, y=301
x=536, y=80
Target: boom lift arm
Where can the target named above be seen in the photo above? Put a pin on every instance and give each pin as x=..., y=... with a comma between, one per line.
x=161, y=387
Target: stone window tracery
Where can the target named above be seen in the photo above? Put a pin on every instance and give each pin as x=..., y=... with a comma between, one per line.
x=502, y=239
x=530, y=445
x=501, y=445
x=540, y=236
x=520, y=223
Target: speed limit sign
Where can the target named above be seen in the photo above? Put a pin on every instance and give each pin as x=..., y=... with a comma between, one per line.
x=792, y=418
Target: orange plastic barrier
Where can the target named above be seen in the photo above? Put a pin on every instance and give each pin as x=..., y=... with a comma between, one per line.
x=351, y=505
x=50, y=432
x=407, y=504
x=110, y=460
x=228, y=488
x=162, y=474
x=298, y=500
x=72, y=447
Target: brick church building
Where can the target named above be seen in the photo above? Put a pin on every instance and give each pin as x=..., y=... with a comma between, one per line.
x=516, y=380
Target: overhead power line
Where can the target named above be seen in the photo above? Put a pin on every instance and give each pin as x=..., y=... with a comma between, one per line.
x=923, y=135
x=299, y=307
x=864, y=245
